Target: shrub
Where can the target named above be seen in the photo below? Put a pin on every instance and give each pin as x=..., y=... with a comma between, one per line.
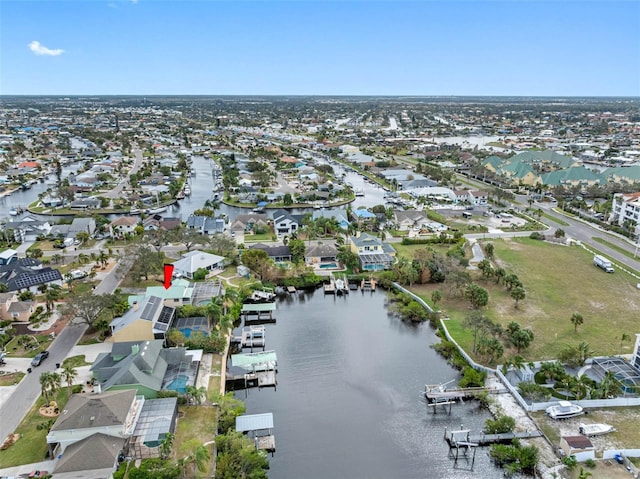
x=472, y=378
x=499, y=425
x=536, y=236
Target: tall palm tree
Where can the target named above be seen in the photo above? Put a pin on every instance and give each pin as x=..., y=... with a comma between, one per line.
x=49, y=384
x=69, y=374
x=51, y=296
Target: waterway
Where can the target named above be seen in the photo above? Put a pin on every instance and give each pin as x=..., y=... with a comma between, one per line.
x=201, y=190
x=349, y=400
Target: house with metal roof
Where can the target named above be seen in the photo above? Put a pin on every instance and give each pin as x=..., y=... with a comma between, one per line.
x=146, y=367
x=195, y=260
x=149, y=319
x=373, y=253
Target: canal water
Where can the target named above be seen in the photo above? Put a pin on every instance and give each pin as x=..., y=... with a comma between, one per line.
x=349, y=400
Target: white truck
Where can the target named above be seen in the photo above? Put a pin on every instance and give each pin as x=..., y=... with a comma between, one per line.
x=604, y=263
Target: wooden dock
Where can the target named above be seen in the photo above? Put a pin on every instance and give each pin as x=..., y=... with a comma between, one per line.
x=330, y=288
x=266, y=443
x=291, y=289
x=440, y=395
x=464, y=437
x=258, y=312
x=368, y=284
x=261, y=379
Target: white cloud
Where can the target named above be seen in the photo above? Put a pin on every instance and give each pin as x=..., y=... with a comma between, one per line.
x=40, y=49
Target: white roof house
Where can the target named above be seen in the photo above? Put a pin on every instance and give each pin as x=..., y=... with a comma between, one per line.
x=194, y=260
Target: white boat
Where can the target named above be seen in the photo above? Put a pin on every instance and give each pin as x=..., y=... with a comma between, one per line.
x=187, y=190
x=135, y=211
x=153, y=211
x=595, y=429
x=13, y=212
x=564, y=410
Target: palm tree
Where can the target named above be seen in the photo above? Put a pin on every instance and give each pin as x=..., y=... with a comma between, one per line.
x=51, y=295
x=69, y=374
x=576, y=319
x=49, y=384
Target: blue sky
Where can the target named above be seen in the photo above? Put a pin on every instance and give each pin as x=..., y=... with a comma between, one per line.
x=217, y=47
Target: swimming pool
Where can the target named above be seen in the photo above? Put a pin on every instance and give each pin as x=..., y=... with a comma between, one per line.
x=179, y=384
x=328, y=266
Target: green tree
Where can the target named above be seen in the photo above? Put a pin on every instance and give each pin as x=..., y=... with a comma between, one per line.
x=88, y=307
x=518, y=337
x=489, y=250
x=298, y=248
x=69, y=374
x=436, y=297
x=166, y=445
x=477, y=296
x=518, y=294
x=49, y=384
x=559, y=233
x=348, y=258
x=576, y=319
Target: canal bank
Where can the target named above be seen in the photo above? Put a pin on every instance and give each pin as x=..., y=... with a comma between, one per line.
x=350, y=402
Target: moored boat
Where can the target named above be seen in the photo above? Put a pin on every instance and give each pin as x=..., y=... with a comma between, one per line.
x=564, y=410
x=595, y=429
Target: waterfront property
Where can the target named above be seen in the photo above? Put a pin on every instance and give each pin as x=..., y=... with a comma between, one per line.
x=260, y=428
x=146, y=367
x=147, y=320
x=254, y=369
x=373, y=253
x=258, y=312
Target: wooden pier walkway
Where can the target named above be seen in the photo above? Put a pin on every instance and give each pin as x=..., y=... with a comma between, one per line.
x=368, y=284
x=330, y=288
x=464, y=438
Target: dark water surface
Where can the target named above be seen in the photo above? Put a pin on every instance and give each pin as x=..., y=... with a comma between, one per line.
x=348, y=402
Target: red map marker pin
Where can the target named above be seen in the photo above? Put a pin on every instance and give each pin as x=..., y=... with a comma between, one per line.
x=168, y=274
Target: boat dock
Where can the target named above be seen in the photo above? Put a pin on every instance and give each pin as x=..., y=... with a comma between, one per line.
x=291, y=289
x=258, y=369
x=464, y=437
x=440, y=395
x=260, y=427
x=258, y=312
x=330, y=288
x=251, y=337
x=368, y=284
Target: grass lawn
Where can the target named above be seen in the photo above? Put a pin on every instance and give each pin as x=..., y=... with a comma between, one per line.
x=213, y=390
x=407, y=250
x=10, y=379
x=75, y=361
x=554, y=219
x=27, y=351
x=196, y=426
x=559, y=281
x=32, y=445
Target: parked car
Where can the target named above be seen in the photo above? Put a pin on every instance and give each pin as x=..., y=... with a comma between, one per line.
x=41, y=356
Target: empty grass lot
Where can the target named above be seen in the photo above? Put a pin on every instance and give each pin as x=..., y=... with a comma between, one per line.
x=559, y=281
x=196, y=426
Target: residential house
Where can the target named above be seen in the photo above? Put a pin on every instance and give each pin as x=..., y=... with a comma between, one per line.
x=21, y=310
x=320, y=253
x=95, y=432
x=96, y=456
x=149, y=319
x=28, y=228
x=85, y=225
x=578, y=446
x=26, y=274
x=278, y=253
x=248, y=222
x=6, y=300
x=8, y=256
x=85, y=203
x=373, y=253
x=113, y=413
x=409, y=219
x=206, y=225
x=156, y=222
x=477, y=197
x=146, y=367
x=574, y=176
x=195, y=260
x=125, y=225
x=178, y=294
x=284, y=223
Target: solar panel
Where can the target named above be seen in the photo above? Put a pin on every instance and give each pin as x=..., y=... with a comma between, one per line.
x=150, y=308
